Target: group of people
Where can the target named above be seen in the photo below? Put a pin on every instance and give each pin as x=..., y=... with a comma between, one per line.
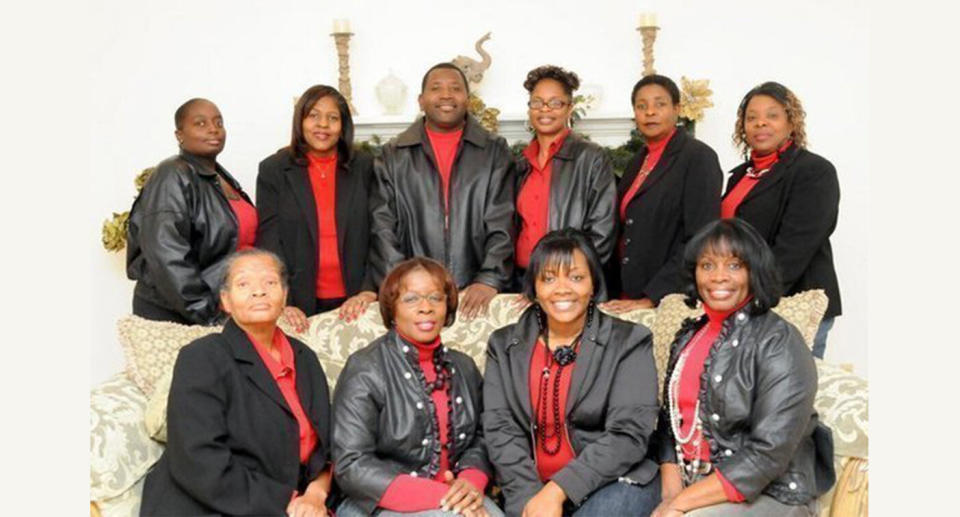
x=565, y=420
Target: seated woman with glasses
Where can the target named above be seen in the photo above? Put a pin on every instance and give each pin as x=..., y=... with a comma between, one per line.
x=407, y=437
x=564, y=180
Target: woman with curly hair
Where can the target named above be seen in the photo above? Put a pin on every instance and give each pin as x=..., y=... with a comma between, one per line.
x=790, y=195
x=563, y=180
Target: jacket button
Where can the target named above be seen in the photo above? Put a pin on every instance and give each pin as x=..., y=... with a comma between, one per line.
x=718, y=378
x=407, y=375
x=741, y=316
x=626, y=242
x=715, y=417
x=793, y=485
x=629, y=222
x=425, y=442
x=463, y=436
x=419, y=405
x=453, y=370
x=459, y=400
x=406, y=349
x=728, y=452
x=735, y=343
x=626, y=260
x=413, y=473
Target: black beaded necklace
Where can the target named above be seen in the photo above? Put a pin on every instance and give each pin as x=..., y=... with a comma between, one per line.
x=444, y=369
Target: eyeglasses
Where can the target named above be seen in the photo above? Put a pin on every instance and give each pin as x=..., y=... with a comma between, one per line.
x=554, y=104
x=413, y=299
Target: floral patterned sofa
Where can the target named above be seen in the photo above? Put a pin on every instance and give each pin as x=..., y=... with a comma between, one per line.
x=128, y=411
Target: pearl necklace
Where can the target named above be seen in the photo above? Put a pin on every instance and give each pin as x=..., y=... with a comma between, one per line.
x=688, y=471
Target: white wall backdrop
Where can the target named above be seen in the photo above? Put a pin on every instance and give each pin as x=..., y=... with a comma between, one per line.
x=253, y=59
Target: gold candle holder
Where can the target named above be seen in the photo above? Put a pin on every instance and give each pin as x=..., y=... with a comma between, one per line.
x=649, y=34
x=342, y=40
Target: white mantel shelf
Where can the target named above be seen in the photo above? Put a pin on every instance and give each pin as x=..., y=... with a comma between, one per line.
x=609, y=131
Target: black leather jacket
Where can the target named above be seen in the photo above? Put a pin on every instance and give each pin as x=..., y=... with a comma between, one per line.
x=475, y=242
x=611, y=409
x=583, y=192
x=383, y=420
x=181, y=228
x=756, y=405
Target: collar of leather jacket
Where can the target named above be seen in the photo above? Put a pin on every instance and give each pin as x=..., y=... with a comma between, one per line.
x=416, y=134
x=597, y=330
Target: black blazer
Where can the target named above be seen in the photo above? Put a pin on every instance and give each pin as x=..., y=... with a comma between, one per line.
x=288, y=222
x=794, y=207
x=679, y=197
x=233, y=446
x=611, y=410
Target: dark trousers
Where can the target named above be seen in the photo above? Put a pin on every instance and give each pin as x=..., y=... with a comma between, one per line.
x=327, y=304
x=619, y=498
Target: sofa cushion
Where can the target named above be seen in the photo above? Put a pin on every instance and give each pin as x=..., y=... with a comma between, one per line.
x=120, y=449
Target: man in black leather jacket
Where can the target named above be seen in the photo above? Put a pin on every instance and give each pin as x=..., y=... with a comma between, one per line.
x=462, y=219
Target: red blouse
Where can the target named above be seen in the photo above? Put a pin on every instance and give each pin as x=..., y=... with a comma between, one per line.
x=761, y=164
x=654, y=152
x=247, y=222
x=285, y=373
x=533, y=200
x=323, y=180
x=548, y=465
x=444, y=147
x=407, y=493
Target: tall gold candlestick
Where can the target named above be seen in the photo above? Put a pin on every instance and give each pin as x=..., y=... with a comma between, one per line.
x=342, y=40
x=649, y=34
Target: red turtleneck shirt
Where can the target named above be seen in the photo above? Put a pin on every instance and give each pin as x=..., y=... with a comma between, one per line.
x=760, y=164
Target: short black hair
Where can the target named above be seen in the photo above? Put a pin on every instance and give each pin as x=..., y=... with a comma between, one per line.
x=569, y=80
x=180, y=115
x=298, y=143
x=556, y=249
x=660, y=80
x=451, y=66
x=741, y=240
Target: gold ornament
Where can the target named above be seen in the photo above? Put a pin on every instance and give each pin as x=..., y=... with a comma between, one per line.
x=694, y=98
x=115, y=232
x=486, y=116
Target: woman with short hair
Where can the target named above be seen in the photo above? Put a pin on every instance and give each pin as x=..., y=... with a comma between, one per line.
x=789, y=194
x=570, y=394
x=407, y=436
x=190, y=215
x=738, y=434
x=669, y=190
x=248, y=416
x=563, y=180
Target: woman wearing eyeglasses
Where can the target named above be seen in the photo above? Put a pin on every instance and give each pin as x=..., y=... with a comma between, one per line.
x=407, y=436
x=563, y=181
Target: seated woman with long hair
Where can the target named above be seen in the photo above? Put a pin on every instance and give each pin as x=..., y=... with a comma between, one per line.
x=570, y=395
x=738, y=435
x=248, y=416
x=407, y=437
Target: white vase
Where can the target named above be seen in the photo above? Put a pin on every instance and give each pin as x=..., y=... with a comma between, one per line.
x=392, y=94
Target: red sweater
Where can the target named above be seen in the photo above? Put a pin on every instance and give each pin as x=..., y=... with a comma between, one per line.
x=699, y=348
x=247, y=222
x=533, y=200
x=412, y=494
x=323, y=180
x=444, y=147
x=548, y=465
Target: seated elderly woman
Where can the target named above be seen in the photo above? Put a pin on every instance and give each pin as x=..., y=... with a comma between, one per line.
x=249, y=411
x=570, y=395
x=738, y=434
x=407, y=437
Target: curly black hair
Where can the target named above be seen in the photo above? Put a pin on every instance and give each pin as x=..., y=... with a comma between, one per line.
x=569, y=80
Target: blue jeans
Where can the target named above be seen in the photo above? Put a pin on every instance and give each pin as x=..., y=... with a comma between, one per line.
x=820, y=340
x=350, y=509
x=620, y=498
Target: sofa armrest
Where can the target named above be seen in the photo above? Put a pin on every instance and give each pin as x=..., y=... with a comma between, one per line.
x=121, y=451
